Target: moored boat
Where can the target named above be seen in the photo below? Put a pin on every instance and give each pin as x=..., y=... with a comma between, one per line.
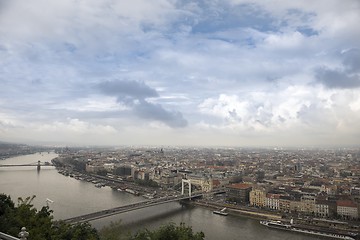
x=276, y=224
x=290, y=227
x=221, y=212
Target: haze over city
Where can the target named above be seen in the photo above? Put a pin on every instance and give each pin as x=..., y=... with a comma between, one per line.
x=167, y=72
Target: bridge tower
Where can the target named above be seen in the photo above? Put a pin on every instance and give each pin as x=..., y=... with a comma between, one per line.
x=38, y=165
x=183, y=181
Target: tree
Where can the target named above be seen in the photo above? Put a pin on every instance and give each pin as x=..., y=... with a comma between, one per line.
x=147, y=183
x=26, y=201
x=39, y=224
x=169, y=231
x=115, y=231
x=7, y=207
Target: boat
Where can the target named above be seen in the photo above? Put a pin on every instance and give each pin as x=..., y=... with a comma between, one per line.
x=324, y=234
x=276, y=224
x=221, y=212
x=148, y=196
x=290, y=227
x=128, y=190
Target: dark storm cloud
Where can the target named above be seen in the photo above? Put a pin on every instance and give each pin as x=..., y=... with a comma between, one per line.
x=337, y=79
x=352, y=60
x=127, y=89
x=347, y=78
x=148, y=110
x=134, y=94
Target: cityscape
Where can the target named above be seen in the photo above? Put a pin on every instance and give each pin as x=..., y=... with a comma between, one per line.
x=179, y=119
x=317, y=183
x=316, y=189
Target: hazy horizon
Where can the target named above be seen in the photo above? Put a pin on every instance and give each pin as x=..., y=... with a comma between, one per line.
x=180, y=73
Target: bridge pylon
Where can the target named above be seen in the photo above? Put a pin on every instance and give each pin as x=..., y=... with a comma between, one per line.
x=183, y=181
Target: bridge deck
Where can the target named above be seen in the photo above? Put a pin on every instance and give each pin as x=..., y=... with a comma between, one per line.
x=127, y=208
x=135, y=206
x=25, y=165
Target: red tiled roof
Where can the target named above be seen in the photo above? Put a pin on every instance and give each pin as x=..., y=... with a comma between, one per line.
x=346, y=203
x=216, y=182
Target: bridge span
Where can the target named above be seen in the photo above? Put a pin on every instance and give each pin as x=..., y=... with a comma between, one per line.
x=126, y=208
x=36, y=164
x=134, y=206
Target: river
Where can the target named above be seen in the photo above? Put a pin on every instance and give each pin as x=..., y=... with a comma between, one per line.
x=72, y=197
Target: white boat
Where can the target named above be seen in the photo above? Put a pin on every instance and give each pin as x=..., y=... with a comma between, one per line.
x=128, y=190
x=276, y=224
x=221, y=212
x=290, y=227
x=324, y=234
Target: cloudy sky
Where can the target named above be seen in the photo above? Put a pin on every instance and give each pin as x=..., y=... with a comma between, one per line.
x=180, y=72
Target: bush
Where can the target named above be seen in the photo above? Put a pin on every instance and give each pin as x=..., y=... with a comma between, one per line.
x=39, y=224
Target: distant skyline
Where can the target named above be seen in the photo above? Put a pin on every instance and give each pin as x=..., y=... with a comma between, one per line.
x=172, y=72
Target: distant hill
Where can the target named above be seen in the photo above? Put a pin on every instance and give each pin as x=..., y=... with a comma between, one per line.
x=13, y=145
x=14, y=149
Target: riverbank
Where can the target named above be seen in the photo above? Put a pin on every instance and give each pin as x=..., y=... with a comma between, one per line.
x=238, y=211
x=233, y=210
x=214, y=203
x=72, y=198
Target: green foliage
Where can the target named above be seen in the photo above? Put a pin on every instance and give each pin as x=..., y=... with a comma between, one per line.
x=7, y=206
x=77, y=164
x=169, y=231
x=115, y=231
x=147, y=183
x=102, y=172
x=26, y=201
x=40, y=224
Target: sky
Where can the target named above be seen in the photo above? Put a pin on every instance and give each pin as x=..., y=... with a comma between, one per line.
x=180, y=72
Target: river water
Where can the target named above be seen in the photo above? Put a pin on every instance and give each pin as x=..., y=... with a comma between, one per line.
x=72, y=197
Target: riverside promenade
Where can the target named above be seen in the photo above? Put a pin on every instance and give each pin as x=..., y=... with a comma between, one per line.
x=233, y=209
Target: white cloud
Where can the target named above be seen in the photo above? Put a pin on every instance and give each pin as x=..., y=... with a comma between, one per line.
x=292, y=40
x=75, y=126
x=355, y=105
x=302, y=108
x=7, y=121
x=91, y=104
x=225, y=68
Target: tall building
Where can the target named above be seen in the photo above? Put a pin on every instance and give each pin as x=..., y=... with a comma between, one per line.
x=298, y=167
x=257, y=197
x=322, y=208
x=238, y=192
x=273, y=201
x=347, y=209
